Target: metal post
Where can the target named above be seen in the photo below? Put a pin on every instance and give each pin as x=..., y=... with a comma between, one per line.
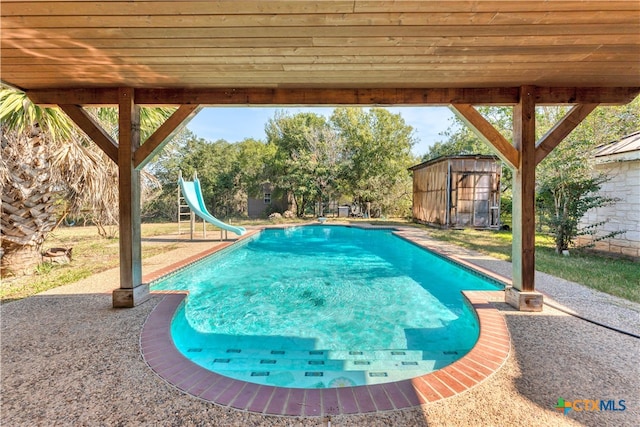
x=179, y=203
x=447, y=208
x=192, y=222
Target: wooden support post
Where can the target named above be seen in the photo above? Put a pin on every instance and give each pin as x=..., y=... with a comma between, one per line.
x=98, y=135
x=178, y=120
x=523, y=296
x=132, y=291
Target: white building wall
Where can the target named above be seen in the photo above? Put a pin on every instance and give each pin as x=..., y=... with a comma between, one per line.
x=624, y=214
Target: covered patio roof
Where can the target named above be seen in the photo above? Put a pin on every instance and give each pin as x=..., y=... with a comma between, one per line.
x=195, y=53
x=320, y=44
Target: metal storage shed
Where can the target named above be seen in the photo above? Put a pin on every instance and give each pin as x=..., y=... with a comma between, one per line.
x=457, y=191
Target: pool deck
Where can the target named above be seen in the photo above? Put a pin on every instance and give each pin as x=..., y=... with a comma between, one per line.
x=68, y=358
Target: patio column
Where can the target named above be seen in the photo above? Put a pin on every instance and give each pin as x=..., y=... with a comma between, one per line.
x=521, y=158
x=132, y=291
x=523, y=295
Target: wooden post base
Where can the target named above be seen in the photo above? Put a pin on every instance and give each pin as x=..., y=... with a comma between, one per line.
x=523, y=301
x=127, y=298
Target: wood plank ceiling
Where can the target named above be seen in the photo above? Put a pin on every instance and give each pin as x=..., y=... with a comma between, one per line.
x=319, y=44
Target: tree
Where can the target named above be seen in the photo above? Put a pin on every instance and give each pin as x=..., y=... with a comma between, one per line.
x=291, y=168
x=565, y=198
x=326, y=162
x=166, y=167
x=47, y=161
x=228, y=173
x=378, y=148
x=43, y=157
x=254, y=158
x=567, y=184
x=216, y=166
x=28, y=211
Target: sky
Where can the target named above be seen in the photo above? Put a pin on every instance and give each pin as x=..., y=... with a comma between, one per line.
x=234, y=124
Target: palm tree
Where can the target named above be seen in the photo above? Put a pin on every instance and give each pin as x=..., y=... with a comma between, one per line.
x=48, y=165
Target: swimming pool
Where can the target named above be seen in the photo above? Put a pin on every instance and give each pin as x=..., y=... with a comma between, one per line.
x=324, y=306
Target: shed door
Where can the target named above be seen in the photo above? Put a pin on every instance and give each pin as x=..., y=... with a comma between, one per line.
x=471, y=196
x=481, y=197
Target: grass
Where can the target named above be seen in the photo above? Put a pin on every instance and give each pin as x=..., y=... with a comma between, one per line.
x=93, y=254
x=615, y=276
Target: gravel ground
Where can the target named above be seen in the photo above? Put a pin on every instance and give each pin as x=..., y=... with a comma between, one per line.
x=69, y=359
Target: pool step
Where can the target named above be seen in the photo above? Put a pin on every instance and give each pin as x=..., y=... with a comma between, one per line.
x=390, y=354
x=321, y=379
x=367, y=366
x=243, y=364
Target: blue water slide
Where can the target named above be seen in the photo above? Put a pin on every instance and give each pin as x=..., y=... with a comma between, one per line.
x=192, y=194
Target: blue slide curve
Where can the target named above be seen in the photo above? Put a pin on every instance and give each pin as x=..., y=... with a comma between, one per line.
x=193, y=196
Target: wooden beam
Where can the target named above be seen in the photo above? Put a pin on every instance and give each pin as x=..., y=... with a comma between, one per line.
x=287, y=96
x=129, y=204
x=485, y=131
x=163, y=134
x=382, y=96
x=94, y=131
x=318, y=96
x=562, y=129
x=90, y=96
x=586, y=95
x=523, y=248
x=400, y=96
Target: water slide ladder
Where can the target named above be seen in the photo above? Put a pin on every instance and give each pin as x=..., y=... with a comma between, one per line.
x=191, y=203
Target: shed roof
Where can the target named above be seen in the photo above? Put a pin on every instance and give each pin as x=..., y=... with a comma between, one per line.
x=627, y=144
x=460, y=156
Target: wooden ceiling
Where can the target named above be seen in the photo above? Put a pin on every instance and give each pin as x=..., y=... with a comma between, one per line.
x=319, y=44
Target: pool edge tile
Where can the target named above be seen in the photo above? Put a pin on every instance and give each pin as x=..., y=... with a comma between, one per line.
x=347, y=400
x=261, y=399
x=295, y=403
x=312, y=403
x=278, y=401
x=380, y=398
x=364, y=399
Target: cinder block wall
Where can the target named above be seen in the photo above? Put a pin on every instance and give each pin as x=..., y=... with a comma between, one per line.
x=624, y=214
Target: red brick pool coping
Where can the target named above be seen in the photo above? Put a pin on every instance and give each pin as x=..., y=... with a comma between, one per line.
x=159, y=352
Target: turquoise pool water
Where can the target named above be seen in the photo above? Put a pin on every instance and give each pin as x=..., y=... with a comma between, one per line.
x=324, y=306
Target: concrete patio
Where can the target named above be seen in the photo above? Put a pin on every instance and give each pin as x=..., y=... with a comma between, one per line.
x=69, y=358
